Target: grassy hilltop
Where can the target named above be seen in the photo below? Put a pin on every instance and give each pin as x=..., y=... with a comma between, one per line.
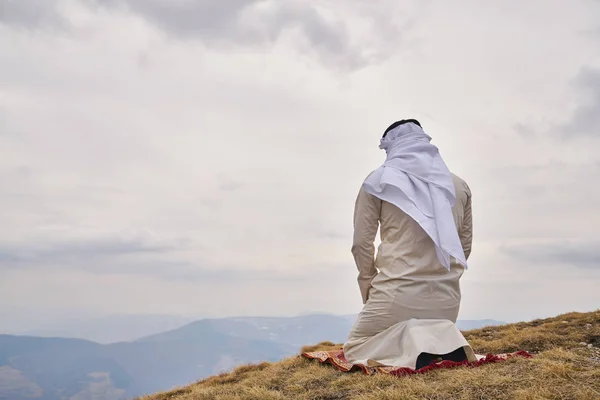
x=566, y=366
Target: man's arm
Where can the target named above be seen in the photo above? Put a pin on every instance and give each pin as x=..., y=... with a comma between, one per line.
x=366, y=223
x=466, y=231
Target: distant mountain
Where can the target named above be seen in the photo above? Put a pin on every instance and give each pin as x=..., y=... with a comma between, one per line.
x=108, y=329
x=53, y=369
x=291, y=331
x=74, y=369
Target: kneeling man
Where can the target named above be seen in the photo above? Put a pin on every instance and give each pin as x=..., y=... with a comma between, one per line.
x=410, y=290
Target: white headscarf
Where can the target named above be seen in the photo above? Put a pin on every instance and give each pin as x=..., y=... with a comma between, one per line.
x=415, y=179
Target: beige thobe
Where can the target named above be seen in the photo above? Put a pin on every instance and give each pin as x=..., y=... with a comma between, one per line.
x=411, y=300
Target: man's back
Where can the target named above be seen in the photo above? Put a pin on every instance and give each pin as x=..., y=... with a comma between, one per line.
x=405, y=245
x=406, y=253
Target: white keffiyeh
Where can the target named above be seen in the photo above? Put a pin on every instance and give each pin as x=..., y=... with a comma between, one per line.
x=415, y=179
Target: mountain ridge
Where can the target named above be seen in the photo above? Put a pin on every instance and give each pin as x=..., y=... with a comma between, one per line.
x=71, y=368
x=566, y=365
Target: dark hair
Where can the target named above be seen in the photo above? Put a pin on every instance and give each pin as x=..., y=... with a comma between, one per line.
x=402, y=122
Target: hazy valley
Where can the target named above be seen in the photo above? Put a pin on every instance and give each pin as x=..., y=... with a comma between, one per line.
x=46, y=368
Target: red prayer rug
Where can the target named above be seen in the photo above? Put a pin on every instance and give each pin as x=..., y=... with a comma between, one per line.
x=337, y=359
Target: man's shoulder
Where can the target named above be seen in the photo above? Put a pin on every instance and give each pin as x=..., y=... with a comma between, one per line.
x=370, y=174
x=367, y=179
x=460, y=184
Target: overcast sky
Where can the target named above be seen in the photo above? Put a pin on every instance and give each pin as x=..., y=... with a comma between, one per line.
x=202, y=157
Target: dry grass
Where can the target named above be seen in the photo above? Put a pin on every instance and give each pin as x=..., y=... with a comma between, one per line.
x=562, y=369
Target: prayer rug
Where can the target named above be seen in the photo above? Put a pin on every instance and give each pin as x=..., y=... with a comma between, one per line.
x=337, y=359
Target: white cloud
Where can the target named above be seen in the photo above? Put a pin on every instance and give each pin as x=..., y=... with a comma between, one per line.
x=237, y=164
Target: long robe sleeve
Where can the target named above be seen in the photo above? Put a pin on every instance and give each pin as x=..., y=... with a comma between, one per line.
x=466, y=230
x=366, y=223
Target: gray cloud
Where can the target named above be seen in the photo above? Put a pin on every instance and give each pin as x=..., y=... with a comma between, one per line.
x=59, y=252
x=585, y=120
x=205, y=19
x=524, y=130
x=135, y=256
x=230, y=275
x=31, y=14
x=230, y=185
x=235, y=23
x=239, y=135
x=577, y=254
x=227, y=24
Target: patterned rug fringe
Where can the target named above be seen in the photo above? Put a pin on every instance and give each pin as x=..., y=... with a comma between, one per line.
x=337, y=359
